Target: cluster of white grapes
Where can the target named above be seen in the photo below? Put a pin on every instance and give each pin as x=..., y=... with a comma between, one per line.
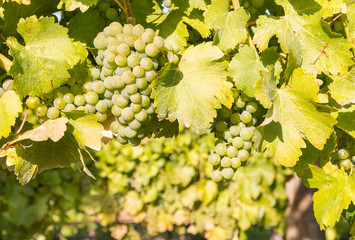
x=344, y=159
x=234, y=130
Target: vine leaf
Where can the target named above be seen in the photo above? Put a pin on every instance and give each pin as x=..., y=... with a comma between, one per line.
x=297, y=117
x=305, y=34
x=30, y=158
x=35, y=69
x=86, y=129
x=83, y=5
x=10, y=107
x=245, y=70
x=230, y=26
x=342, y=88
x=265, y=88
x=50, y=129
x=346, y=119
x=351, y=19
x=191, y=91
x=336, y=192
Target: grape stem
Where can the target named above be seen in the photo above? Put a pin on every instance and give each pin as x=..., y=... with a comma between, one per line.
x=129, y=13
x=236, y=4
x=6, y=89
x=334, y=19
x=121, y=6
x=23, y=122
x=5, y=63
x=251, y=23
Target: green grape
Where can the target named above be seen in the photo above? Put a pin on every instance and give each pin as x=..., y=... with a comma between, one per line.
x=251, y=107
x=138, y=30
x=139, y=45
x=236, y=163
x=99, y=61
x=145, y=101
x=247, y=145
x=32, y=102
x=150, y=109
x=142, y=116
x=110, y=40
x=116, y=82
x=135, y=124
x=130, y=133
x=90, y=108
x=124, y=49
x=237, y=142
x=159, y=42
x=127, y=114
x=121, y=132
x=134, y=142
x=148, y=36
x=131, y=89
x=111, y=14
x=234, y=130
x=115, y=28
x=79, y=100
x=214, y=159
x=343, y=154
x=122, y=140
x=98, y=87
x=102, y=116
x=234, y=118
x=119, y=38
x=243, y=155
x=99, y=42
x=125, y=94
x=119, y=71
x=107, y=83
x=146, y=63
x=246, y=134
x=147, y=91
x=95, y=73
x=87, y=87
x=226, y=112
x=108, y=94
x=138, y=71
x=241, y=125
x=226, y=162
x=240, y=103
x=103, y=6
x=53, y=113
x=228, y=136
x=41, y=110
x=136, y=108
x=58, y=93
x=227, y=173
x=346, y=164
x=216, y=176
x=176, y=48
x=114, y=126
x=121, y=60
x=110, y=58
x=150, y=75
x=119, y=100
x=136, y=98
x=221, y=149
x=175, y=59
x=151, y=50
x=128, y=77
x=101, y=106
x=91, y=98
x=167, y=3
x=232, y=151
x=69, y=107
x=129, y=40
x=116, y=110
x=68, y=98
x=221, y=126
x=246, y=117
x=257, y=3
x=108, y=67
x=141, y=83
x=127, y=29
x=59, y=103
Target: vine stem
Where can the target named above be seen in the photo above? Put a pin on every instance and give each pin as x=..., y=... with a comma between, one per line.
x=236, y=4
x=121, y=6
x=333, y=20
x=7, y=88
x=5, y=63
x=129, y=13
x=251, y=44
x=23, y=122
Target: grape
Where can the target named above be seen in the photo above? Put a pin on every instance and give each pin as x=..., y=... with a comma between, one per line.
x=127, y=29
x=234, y=118
x=111, y=14
x=246, y=134
x=130, y=133
x=87, y=87
x=128, y=77
x=108, y=94
x=81, y=108
x=59, y=103
x=115, y=28
x=245, y=116
x=150, y=75
x=221, y=126
x=141, y=83
x=119, y=100
x=343, y=154
x=216, y=176
x=226, y=162
x=121, y=140
x=240, y=103
x=146, y=63
x=136, y=98
x=53, y=113
x=214, y=159
x=232, y=151
x=226, y=112
x=131, y=89
x=79, y=100
x=136, y=108
x=148, y=37
x=227, y=136
x=98, y=87
x=150, y=109
x=257, y=3
x=110, y=59
x=236, y=162
x=141, y=116
x=145, y=101
x=227, y=173
x=110, y=40
x=247, y=145
x=32, y=102
x=151, y=50
x=167, y=3
x=119, y=38
x=238, y=142
x=68, y=98
x=103, y=6
x=138, y=30
x=101, y=106
x=41, y=110
x=346, y=164
x=114, y=127
x=221, y=149
x=129, y=40
x=127, y=114
x=243, y=155
x=176, y=48
x=121, y=60
x=251, y=107
x=102, y=116
x=158, y=42
x=234, y=130
x=116, y=110
x=119, y=71
x=117, y=82
x=69, y=107
x=125, y=94
x=135, y=124
x=107, y=83
x=138, y=71
x=134, y=142
x=91, y=98
x=124, y=49
x=147, y=91
x=99, y=42
x=89, y=108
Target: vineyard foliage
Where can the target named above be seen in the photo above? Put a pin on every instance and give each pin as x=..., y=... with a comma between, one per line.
x=265, y=76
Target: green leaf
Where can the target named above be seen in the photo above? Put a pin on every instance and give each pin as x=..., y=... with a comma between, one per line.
x=50, y=129
x=141, y=10
x=36, y=157
x=10, y=107
x=265, y=88
x=336, y=191
x=245, y=70
x=199, y=4
x=230, y=26
x=87, y=130
x=86, y=33
x=195, y=20
x=351, y=19
x=346, y=119
x=342, y=88
x=83, y=5
x=307, y=37
x=43, y=40
x=191, y=91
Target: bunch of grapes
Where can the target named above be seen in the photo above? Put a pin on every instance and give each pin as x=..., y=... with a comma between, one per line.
x=108, y=10
x=234, y=130
x=344, y=159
